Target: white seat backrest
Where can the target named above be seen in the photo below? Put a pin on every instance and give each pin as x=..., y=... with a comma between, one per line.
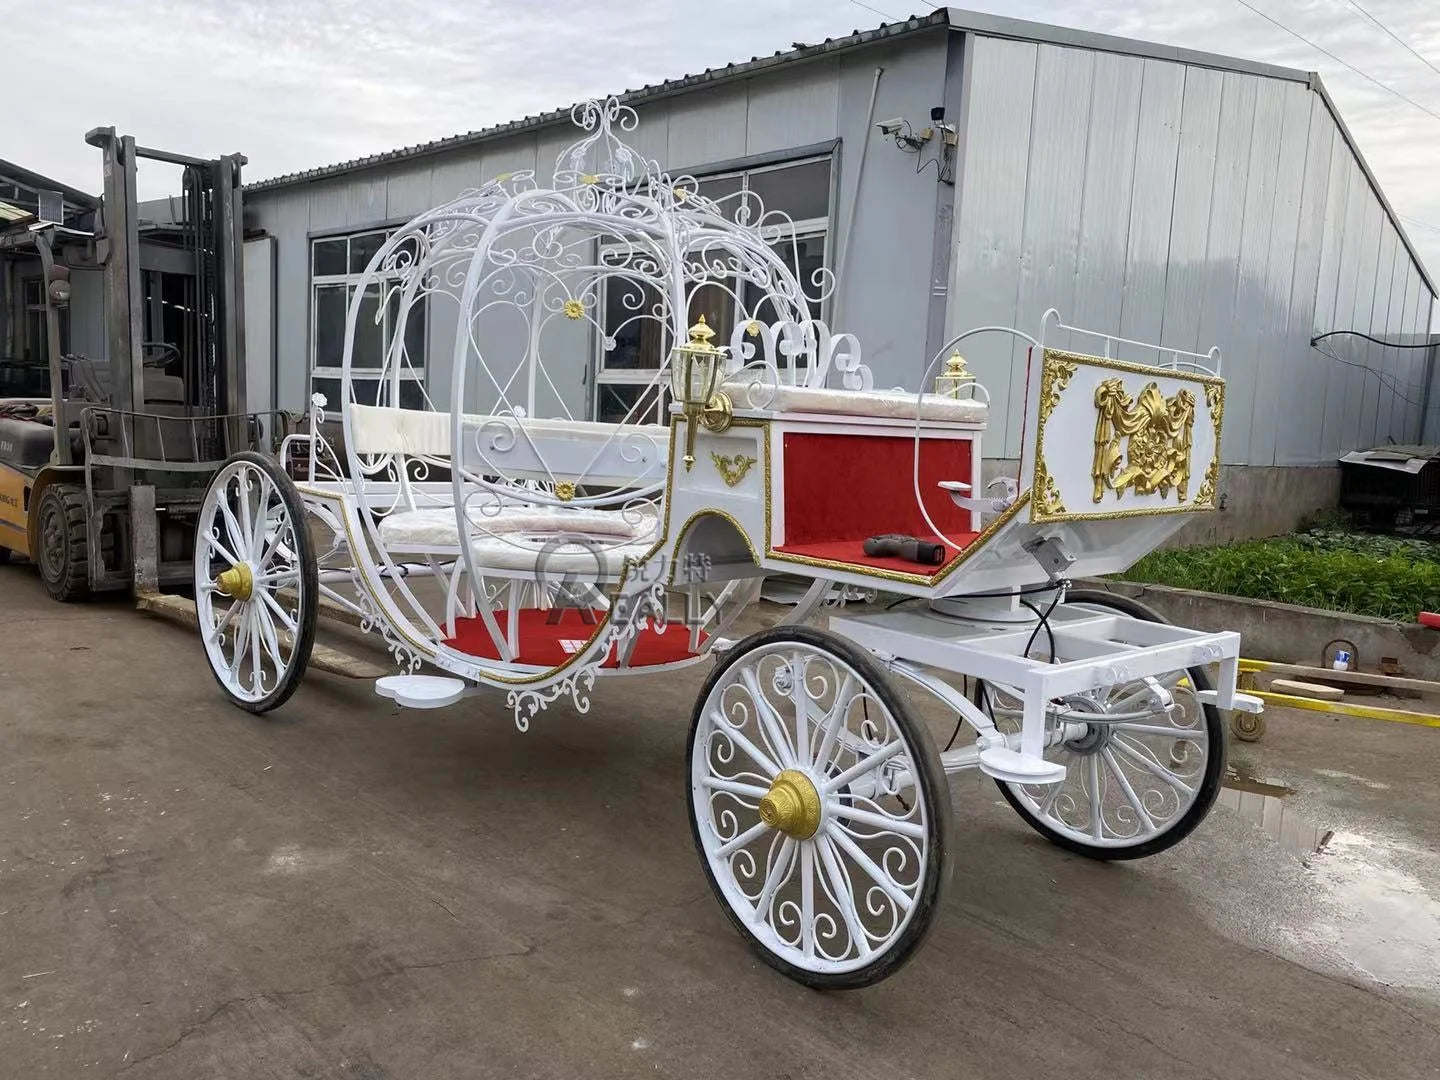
x=583, y=452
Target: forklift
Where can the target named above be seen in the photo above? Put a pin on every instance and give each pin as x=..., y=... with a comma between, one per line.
x=113, y=433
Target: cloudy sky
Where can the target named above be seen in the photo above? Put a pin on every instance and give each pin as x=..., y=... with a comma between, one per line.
x=299, y=83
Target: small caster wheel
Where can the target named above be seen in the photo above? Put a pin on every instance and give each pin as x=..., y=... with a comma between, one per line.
x=1247, y=727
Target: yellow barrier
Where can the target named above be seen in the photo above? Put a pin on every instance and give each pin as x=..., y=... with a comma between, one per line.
x=1345, y=708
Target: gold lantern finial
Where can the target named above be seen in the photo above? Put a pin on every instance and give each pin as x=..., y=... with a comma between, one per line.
x=954, y=377
x=700, y=335
x=694, y=380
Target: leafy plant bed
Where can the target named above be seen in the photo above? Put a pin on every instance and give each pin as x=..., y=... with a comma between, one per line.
x=1385, y=576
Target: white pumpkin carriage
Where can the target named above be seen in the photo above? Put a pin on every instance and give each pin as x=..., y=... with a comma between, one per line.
x=504, y=543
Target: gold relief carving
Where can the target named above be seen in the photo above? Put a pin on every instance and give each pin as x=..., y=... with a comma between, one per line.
x=1047, y=495
x=1206, y=495
x=565, y=490
x=732, y=469
x=1142, y=443
x=1054, y=377
x=573, y=309
x=1055, y=374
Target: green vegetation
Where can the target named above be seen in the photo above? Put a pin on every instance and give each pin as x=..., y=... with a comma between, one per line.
x=1386, y=576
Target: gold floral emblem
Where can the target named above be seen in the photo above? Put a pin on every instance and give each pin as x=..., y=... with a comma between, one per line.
x=1143, y=443
x=732, y=469
x=574, y=309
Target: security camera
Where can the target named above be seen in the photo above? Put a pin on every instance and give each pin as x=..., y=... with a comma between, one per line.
x=890, y=127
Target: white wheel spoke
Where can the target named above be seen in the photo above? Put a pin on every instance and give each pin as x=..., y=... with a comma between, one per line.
x=268, y=637
x=734, y=787
x=1097, y=817
x=1151, y=766
x=218, y=630
x=799, y=699
x=844, y=895
x=778, y=872
x=257, y=669
x=862, y=860
x=758, y=756
x=769, y=721
x=280, y=613
x=1127, y=788
x=866, y=764
x=224, y=552
x=234, y=532
x=834, y=721
x=262, y=516
x=1196, y=735
x=736, y=843
x=867, y=817
x=278, y=578
x=242, y=640
x=1048, y=806
x=246, y=521
x=807, y=900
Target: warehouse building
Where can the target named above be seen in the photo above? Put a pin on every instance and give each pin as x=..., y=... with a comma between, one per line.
x=1147, y=191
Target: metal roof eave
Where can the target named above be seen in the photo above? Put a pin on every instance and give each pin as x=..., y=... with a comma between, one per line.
x=1319, y=87
x=978, y=22
x=43, y=183
x=644, y=94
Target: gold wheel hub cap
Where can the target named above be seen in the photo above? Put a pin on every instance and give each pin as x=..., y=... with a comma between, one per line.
x=237, y=582
x=792, y=805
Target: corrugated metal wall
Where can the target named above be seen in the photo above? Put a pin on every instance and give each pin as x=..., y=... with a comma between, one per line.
x=887, y=295
x=1193, y=207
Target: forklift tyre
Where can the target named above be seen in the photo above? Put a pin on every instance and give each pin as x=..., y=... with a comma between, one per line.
x=64, y=554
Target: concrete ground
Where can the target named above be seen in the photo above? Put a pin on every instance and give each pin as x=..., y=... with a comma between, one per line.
x=345, y=890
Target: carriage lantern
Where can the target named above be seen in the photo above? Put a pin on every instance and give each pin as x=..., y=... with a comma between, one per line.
x=955, y=378
x=694, y=381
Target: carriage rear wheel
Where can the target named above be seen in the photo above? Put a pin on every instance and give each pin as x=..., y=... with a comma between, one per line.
x=1132, y=788
x=818, y=806
x=256, y=583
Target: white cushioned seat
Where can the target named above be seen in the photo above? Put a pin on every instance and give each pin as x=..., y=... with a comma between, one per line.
x=750, y=390
x=516, y=537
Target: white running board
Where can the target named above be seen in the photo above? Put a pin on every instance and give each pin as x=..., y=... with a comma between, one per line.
x=421, y=691
x=1248, y=703
x=1014, y=767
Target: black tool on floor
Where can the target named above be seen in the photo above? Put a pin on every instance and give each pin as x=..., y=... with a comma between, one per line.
x=910, y=548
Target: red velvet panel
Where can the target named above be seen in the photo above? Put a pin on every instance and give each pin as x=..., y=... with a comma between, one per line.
x=543, y=642
x=849, y=487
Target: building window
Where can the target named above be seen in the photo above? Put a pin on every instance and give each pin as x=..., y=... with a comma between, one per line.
x=337, y=267
x=630, y=351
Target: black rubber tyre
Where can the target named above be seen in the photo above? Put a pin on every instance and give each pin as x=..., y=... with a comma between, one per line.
x=5, y=554
x=64, y=544
x=1211, y=781
x=308, y=584
x=933, y=786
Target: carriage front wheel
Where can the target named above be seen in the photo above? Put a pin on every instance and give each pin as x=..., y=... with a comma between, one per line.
x=256, y=583
x=1135, y=786
x=819, y=807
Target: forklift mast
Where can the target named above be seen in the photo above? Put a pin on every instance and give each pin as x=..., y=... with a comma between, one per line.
x=214, y=237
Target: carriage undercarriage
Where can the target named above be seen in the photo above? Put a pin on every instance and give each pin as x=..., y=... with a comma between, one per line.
x=559, y=551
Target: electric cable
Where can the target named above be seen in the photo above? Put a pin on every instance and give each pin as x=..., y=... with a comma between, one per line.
x=1044, y=622
x=1393, y=36
x=1321, y=49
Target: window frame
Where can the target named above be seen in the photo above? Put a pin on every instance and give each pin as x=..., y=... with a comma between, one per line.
x=418, y=368
x=804, y=229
